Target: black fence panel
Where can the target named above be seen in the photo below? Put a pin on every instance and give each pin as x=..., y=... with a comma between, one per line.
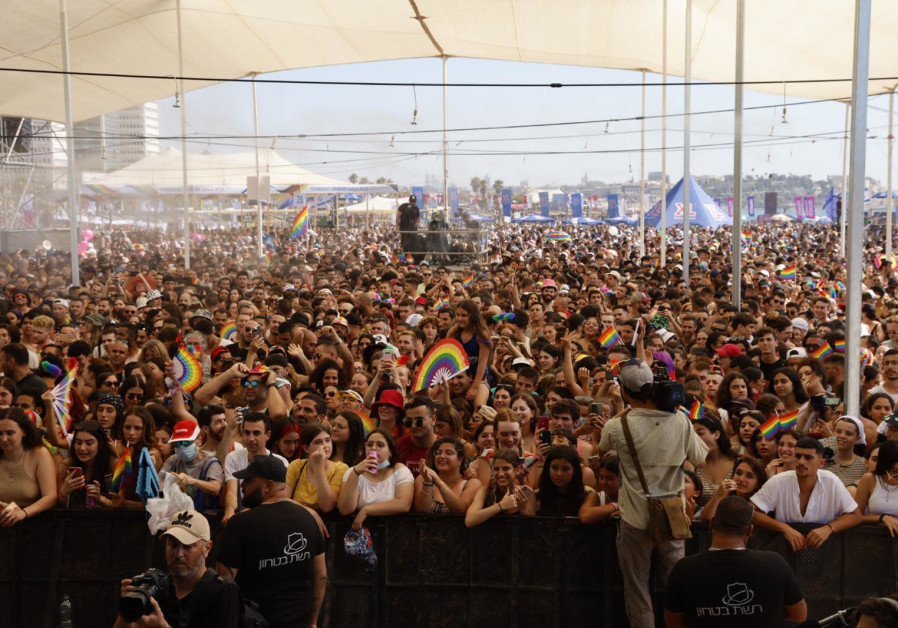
x=432, y=571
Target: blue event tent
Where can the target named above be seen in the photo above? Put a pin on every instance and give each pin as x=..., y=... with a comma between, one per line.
x=583, y=220
x=533, y=218
x=705, y=211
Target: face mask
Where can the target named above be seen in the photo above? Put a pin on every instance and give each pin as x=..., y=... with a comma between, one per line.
x=187, y=454
x=383, y=465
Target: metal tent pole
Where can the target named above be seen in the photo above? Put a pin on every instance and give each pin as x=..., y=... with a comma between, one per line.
x=183, y=104
x=258, y=173
x=642, y=174
x=70, y=145
x=662, y=226
x=843, y=218
x=859, y=86
x=687, y=128
x=891, y=201
x=446, y=209
x=737, y=155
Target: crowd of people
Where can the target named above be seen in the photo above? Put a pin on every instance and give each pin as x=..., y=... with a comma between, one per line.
x=309, y=358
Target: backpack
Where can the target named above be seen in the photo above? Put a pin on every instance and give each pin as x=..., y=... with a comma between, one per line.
x=210, y=584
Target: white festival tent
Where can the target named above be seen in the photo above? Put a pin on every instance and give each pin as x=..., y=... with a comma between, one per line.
x=220, y=174
x=374, y=204
x=804, y=40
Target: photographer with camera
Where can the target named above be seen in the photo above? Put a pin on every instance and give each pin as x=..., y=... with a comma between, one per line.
x=190, y=595
x=652, y=439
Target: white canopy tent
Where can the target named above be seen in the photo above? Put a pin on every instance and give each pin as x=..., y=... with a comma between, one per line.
x=374, y=204
x=786, y=40
x=217, y=173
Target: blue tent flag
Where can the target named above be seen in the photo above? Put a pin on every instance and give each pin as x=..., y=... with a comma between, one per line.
x=705, y=212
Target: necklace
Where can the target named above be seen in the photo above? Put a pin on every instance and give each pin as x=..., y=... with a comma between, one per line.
x=12, y=469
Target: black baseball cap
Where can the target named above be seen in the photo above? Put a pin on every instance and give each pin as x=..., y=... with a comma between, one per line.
x=268, y=467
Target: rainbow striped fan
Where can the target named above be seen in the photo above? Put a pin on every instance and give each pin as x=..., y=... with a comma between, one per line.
x=446, y=360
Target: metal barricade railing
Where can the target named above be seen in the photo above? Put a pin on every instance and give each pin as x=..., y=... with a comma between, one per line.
x=433, y=571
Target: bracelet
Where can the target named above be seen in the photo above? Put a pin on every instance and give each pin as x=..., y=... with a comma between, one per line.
x=831, y=527
x=500, y=506
x=26, y=513
x=356, y=471
x=427, y=483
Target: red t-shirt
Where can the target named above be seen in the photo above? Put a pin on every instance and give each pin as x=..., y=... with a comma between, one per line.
x=409, y=453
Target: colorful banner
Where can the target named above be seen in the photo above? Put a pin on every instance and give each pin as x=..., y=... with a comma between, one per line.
x=453, y=200
x=810, y=209
x=613, y=206
x=576, y=205
x=506, y=202
x=418, y=191
x=799, y=207
x=730, y=206
x=751, y=206
x=544, y=204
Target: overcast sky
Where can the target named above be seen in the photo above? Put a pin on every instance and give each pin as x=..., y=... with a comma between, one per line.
x=809, y=142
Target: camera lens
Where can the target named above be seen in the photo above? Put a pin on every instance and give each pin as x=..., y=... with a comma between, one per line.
x=134, y=605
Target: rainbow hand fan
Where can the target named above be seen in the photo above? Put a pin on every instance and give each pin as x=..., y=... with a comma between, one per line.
x=62, y=397
x=187, y=369
x=446, y=360
x=228, y=330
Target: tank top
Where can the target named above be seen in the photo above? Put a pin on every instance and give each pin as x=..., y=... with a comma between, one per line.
x=16, y=484
x=708, y=487
x=437, y=507
x=883, y=500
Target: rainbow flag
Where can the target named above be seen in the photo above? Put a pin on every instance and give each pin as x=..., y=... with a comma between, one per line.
x=468, y=281
x=300, y=223
x=789, y=420
x=788, y=272
x=867, y=358
x=696, y=410
x=62, y=397
x=440, y=304
x=839, y=345
x=368, y=424
x=770, y=428
x=123, y=472
x=833, y=293
x=822, y=351
x=746, y=235
x=187, y=369
x=266, y=258
x=402, y=257
x=609, y=338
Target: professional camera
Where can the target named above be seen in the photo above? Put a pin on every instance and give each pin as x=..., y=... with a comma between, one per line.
x=669, y=394
x=153, y=583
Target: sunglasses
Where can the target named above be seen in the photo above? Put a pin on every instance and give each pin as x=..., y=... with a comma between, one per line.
x=110, y=384
x=418, y=422
x=330, y=394
x=134, y=396
x=253, y=384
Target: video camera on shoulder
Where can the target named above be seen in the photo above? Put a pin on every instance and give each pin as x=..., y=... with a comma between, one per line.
x=153, y=583
x=669, y=394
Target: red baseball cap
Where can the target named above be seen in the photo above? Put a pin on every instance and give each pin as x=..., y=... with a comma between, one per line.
x=185, y=430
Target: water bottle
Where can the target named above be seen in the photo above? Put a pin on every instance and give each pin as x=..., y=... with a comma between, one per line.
x=65, y=613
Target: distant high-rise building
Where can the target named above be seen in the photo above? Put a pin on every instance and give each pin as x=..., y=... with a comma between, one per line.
x=118, y=139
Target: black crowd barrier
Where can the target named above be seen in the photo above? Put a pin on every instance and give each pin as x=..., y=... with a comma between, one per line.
x=511, y=571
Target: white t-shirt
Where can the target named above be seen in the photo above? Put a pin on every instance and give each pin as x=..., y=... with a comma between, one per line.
x=371, y=493
x=880, y=389
x=238, y=460
x=829, y=498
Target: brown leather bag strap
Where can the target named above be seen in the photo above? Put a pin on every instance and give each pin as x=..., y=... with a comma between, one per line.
x=632, y=448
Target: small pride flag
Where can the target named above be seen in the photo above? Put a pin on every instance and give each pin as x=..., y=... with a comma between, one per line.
x=696, y=410
x=746, y=235
x=300, y=223
x=609, y=338
x=789, y=420
x=822, y=351
x=770, y=428
x=468, y=281
x=123, y=471
x=788, y=272
x=440, y=304
x=839, y=345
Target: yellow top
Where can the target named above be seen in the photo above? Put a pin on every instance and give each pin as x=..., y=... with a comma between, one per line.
x=303, y=491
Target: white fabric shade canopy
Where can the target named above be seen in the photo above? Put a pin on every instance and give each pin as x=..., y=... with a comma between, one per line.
x=222, y=173
x=785, y=40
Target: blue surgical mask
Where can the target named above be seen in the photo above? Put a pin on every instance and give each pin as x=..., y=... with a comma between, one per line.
x=188, y=453
x=383, y=465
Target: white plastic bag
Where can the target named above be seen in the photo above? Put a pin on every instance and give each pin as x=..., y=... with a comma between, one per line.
x=162, y=509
